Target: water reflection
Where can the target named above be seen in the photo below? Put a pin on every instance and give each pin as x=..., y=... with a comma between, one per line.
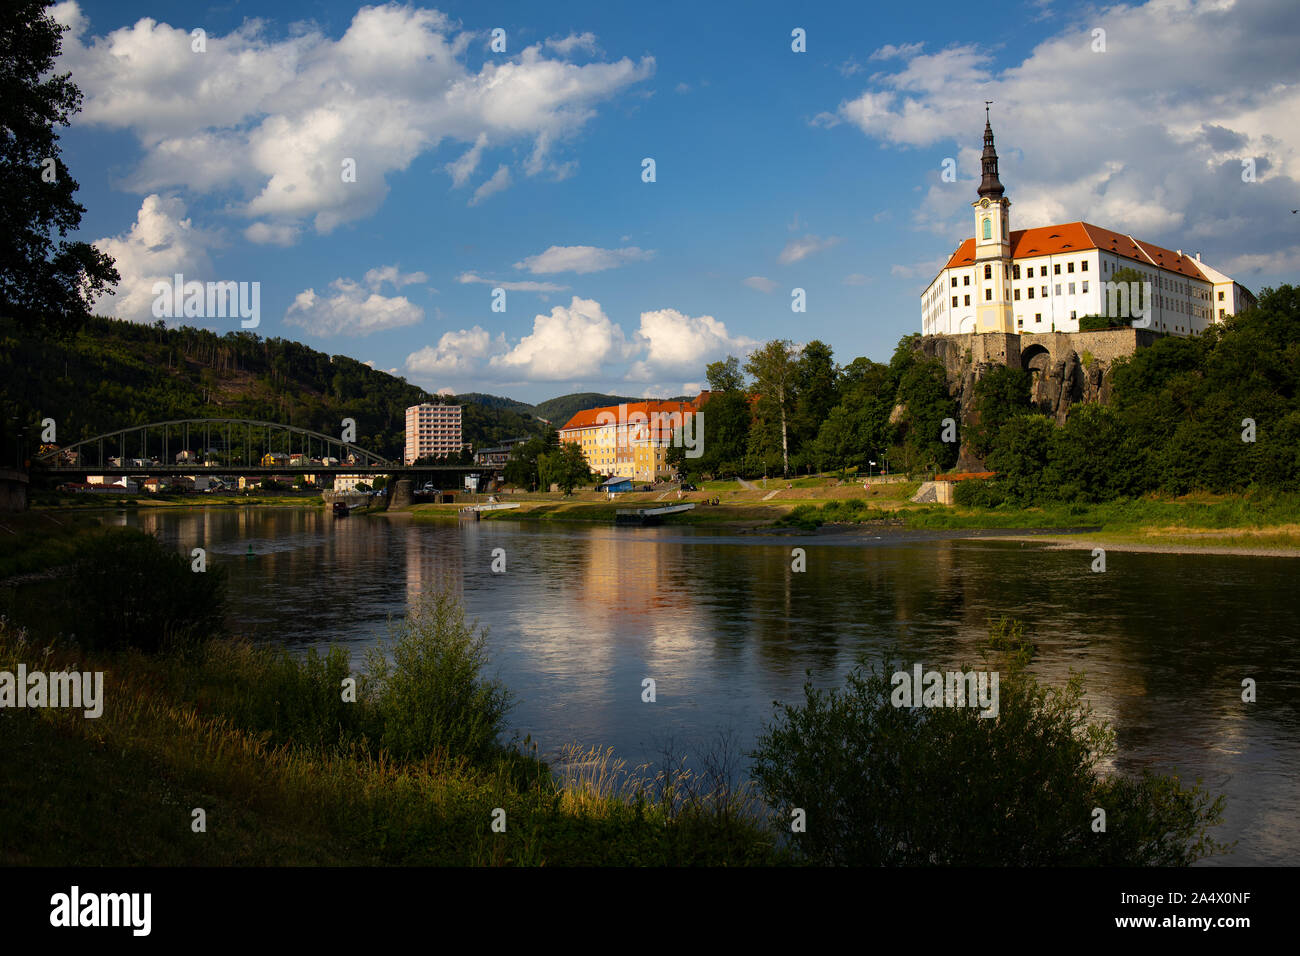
x=725, y=626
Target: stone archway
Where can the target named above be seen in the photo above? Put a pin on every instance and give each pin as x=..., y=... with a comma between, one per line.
x=1036, y=359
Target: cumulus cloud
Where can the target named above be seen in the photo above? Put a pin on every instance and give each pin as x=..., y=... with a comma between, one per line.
x=581, y=259
x=1146, y=137
x=265, y=233
x=463, y=168
x=674, y=342
x=579, y=342
x=160, y=243
x=760, y=283
x=565, y=46
x=572, y=342
x=357, y=309
x=457, y=353
x=798, y=249
x=272, y=122
x=889, y=51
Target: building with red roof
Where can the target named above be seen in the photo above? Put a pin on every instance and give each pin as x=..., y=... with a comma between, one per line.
x=1046, y=278
x=631, y=440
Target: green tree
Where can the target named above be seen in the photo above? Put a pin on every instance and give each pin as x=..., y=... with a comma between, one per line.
x=41, y=279
x=1000, y=395
x=887, y=785
x=725, y=375
x=565, y=466
x=1019, y=455
x=775, y=374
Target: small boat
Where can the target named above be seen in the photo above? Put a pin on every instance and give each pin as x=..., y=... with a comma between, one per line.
x=341, y=509
x=648, y=516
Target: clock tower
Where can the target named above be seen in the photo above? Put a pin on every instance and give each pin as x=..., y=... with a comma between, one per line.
x=992, y=244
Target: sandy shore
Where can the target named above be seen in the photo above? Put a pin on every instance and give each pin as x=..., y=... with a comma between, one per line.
x=1058, y=542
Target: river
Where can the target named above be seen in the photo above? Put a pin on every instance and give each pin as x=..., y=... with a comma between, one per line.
x=724, y=626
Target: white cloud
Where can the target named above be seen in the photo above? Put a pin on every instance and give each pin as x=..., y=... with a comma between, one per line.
x=457, y=354
x=580, y=343
x=376, y=277
x=682, y=88
x=857, y=278
x=581, y=259
x=903, y=50
x=499, y=181
x=265, y=233
x=160, y=243
x=268, y=121
x=760, y=283
x=574, y=41
x=570, y=343
x=798, y=249
x=351, y=309
x=1090, y=135
x=461, y=169
x=466, y=278
x=674, y=342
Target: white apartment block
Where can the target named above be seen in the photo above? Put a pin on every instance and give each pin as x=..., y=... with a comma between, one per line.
x=432, y=430
x=1047, y=278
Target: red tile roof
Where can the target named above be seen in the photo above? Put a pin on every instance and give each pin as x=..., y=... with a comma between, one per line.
x=1077, y=237
x=590, y=417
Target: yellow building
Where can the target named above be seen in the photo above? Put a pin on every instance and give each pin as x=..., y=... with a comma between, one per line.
x=630, y=440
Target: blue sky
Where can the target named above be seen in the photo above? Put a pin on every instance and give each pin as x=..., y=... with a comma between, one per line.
x=774, y=169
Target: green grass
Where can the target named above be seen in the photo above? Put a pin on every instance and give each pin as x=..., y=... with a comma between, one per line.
x=205, y=727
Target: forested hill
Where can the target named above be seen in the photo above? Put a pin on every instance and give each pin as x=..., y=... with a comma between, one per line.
x=112, y=373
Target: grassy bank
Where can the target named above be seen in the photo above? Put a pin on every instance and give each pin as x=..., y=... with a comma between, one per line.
x=252, y=738
x=1266, y=521
x=60, y=501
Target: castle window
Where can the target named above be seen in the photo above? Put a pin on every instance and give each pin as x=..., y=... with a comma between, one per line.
x=1016, y=294
x=954, y=301
x=1057, y=268
x=1029, y=273
x=1069, y=267
x=1015, y=272
x=1038, y=316
x=965, y=280
x=954, y=282
x=1220, y=296
x=1071, y=288
x=1031, y=292
x=988, y=271
x=1084, y=266
x=967, y=300
x=1073, y=314
x=1058, y=290
x=1085, y=286
x=988, y=295
x=1020, y=323
x=988, y=228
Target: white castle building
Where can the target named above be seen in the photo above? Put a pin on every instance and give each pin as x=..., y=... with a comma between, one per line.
x=1046, y=279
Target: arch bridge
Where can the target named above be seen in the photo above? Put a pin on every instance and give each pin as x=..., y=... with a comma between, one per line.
x=197, y=445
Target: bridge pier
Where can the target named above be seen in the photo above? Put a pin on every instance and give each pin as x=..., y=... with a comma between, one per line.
x=402, y=493
x=13, y=489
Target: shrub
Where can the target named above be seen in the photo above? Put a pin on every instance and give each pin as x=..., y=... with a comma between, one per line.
x=131, y=591
x=886, y=785
x=431, y=696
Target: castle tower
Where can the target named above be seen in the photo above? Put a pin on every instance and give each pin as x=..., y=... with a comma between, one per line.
x=992, y=244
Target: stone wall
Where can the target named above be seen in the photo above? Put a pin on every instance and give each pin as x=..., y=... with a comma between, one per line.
x=1068, y=368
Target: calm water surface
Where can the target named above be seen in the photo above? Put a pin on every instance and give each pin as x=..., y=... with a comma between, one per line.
x=724, y=626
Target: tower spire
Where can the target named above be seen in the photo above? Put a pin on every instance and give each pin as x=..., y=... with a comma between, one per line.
x=990, y=185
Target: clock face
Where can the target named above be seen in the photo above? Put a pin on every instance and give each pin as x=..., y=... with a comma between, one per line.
x=985, y=202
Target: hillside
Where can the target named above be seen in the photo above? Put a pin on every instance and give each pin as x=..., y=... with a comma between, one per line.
x=112, y=373
x=559, y=410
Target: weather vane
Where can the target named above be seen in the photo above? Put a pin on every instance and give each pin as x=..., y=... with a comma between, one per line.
x=987, y=104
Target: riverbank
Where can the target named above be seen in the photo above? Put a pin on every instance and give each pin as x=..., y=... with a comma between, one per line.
x=227, y=728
